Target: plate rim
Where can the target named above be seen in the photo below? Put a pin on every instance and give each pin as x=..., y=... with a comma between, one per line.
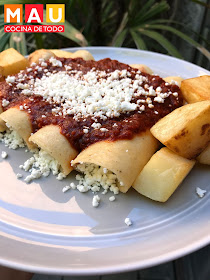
x=134, y=265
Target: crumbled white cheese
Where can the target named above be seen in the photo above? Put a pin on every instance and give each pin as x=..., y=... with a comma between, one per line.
x=19, y=175
x=114, y=189
x=60, y=176
x=200, y=192
x=142, y=108
x=4, y=154
x=35, y=174
x=66, y=188
x=103, y=129
x=112, y=198
x=41, y=164
x=28, y=164
x=174, y=83
x=73, y=186
x=96, y=201
x=150, y=106
x=22, y=86
x=43, y=64
x=128, y=222
x=159, y=99
x=104, y=192
x=90, y=94
x=12, y=139
x=10, y=79
x=5, y=103
x=82, y=188
x=96, y=125
x=94, y=177
x=55, y=62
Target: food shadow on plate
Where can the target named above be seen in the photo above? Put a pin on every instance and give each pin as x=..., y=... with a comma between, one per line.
x=142, y=211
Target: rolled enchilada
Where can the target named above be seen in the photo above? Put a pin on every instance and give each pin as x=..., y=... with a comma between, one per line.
x=17, y=117
x=2, y=123
x=124, y=158
x=100, y=109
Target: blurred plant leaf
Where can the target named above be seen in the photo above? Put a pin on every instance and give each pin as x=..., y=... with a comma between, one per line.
x=129, y=23
x=120, y=28
x=140, y=43
x=4, y=39
x=162, y=41
x=201, y=3
x=14, y=2
x=119, y=40
x=134, y=8
x=143, y=20
x=152, y=10
x=18, y=42
x=70, y=32
x=39, y=40
x=181, y=25
x=181, y=35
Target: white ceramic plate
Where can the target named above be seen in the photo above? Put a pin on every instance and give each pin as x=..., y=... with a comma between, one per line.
x=47, y=231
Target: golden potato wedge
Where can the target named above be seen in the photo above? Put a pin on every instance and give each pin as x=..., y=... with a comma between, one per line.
x=42, y=53
x=142, y=68
x=186, y=130
x=11, y=62
x=204, y=157
x=86, y=55
x=61, y=53
x=162, y=175
x=173, y=80
x=2, y=78
x=2, y=123
x=196, y=89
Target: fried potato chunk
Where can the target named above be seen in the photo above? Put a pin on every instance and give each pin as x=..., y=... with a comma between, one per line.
x=86, y=55
x=162, y=175
x=173, y=80
x=142, y=68
x=196, y=89
x=11, y=62
x=46, y=54
x=186, y=130
x=204, y=157
x=2, y=123
x=61, y=53
x=42, y=53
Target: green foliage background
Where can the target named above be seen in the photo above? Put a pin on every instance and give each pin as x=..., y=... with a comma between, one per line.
x=141, y=24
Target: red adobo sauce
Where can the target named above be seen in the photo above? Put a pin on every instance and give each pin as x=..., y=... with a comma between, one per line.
x=126, y=126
